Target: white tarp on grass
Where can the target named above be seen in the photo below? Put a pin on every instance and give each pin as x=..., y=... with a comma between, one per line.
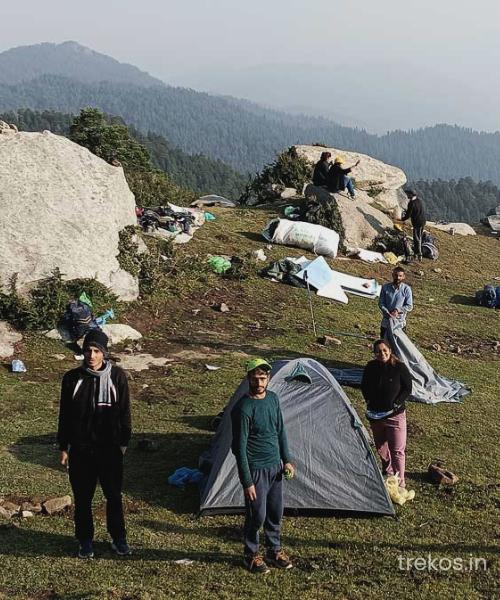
x=334, y=284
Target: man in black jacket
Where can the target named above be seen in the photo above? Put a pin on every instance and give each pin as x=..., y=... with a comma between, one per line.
x=416, y=213
x=321, y=168
x=93, y=434
x=338, y=179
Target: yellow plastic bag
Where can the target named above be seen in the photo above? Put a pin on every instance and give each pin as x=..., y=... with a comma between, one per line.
x=398, y=494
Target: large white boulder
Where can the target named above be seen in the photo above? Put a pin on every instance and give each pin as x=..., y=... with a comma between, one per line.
x=63, y=207
x=381, y=182
x=361, y=220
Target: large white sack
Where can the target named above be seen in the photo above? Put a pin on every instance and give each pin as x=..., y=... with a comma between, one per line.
x=319, y=239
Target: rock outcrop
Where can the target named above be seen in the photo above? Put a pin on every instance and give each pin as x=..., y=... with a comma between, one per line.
x=381, y=182
x=361, y=220
x=63, y=207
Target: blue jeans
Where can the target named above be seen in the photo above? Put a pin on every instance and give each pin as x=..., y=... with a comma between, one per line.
x=266, y=510
x=348, y=185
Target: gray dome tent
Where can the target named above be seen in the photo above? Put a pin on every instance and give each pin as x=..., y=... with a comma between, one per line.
x=336, y=468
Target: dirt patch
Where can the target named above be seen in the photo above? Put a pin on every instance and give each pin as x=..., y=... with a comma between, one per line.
x=140, y=362
x=469, y=346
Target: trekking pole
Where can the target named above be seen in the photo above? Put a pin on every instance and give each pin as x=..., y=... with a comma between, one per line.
x=306, y=279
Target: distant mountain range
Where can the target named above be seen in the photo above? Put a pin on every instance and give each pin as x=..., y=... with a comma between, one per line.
x=68, y=59
x=245, y=135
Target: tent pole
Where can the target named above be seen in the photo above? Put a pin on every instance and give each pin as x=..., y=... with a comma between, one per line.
x=306, y=279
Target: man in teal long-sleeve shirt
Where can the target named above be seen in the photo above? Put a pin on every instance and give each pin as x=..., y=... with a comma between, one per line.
x=261, y=449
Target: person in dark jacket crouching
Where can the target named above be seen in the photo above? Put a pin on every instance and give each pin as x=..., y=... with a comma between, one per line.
x=386, y=385
x=93, y=434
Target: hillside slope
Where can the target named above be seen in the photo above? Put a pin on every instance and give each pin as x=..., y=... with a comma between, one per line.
x=174, y=405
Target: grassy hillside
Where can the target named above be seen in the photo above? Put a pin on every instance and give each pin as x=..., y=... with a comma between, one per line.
x=173, y=406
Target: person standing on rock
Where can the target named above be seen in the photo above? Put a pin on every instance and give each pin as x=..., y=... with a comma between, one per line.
x=261, y=450
x=321, y=169
x=338, y=179
x=93, y=434
x=416, y=213
x=396, y=300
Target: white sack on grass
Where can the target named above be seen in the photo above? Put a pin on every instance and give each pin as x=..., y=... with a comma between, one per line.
x=319, y=239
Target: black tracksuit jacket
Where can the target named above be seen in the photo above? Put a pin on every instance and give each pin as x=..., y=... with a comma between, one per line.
x=386, y=387
x=82, y=423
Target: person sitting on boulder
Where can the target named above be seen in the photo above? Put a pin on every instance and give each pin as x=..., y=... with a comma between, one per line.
x=321, y=168
x=338, y=180
x=416, y=213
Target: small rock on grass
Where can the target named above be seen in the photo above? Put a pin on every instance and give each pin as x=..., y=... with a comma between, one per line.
x=11, y=508
x=222, y=307
x=55, y=505
x=5, y=514
x=34, y=507
x=328, y=340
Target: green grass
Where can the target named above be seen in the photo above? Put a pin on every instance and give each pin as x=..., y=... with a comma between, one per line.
x=335, y=557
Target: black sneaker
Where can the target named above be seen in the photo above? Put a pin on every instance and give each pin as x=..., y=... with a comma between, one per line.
x=121, y=548
x=255, y=564
x=85, y=550
x=278, y=559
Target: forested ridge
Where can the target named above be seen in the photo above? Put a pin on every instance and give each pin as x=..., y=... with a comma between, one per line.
x=195, y=172
x=247, y=136
x=457, y=200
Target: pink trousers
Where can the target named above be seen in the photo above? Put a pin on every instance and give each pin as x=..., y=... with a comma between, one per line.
x=390, y=440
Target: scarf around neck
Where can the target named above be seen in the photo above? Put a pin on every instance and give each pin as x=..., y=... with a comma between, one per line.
x=104, y=377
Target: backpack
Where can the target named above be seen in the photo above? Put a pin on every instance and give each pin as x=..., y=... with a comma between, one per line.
x=429, y=246
x=78, y=319
x=487, y=297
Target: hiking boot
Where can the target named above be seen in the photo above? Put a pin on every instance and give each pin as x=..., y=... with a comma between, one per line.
x=85, y=550
x=121, y=548
x=255, y=564
x=278, y=559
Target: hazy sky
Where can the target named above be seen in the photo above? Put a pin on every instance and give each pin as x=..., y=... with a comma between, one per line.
x=164, y=36
x=169, y=38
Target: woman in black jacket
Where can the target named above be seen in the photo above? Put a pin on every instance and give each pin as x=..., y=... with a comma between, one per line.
x=386, y=384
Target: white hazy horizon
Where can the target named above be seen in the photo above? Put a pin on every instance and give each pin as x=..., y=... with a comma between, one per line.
x=382, y=65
